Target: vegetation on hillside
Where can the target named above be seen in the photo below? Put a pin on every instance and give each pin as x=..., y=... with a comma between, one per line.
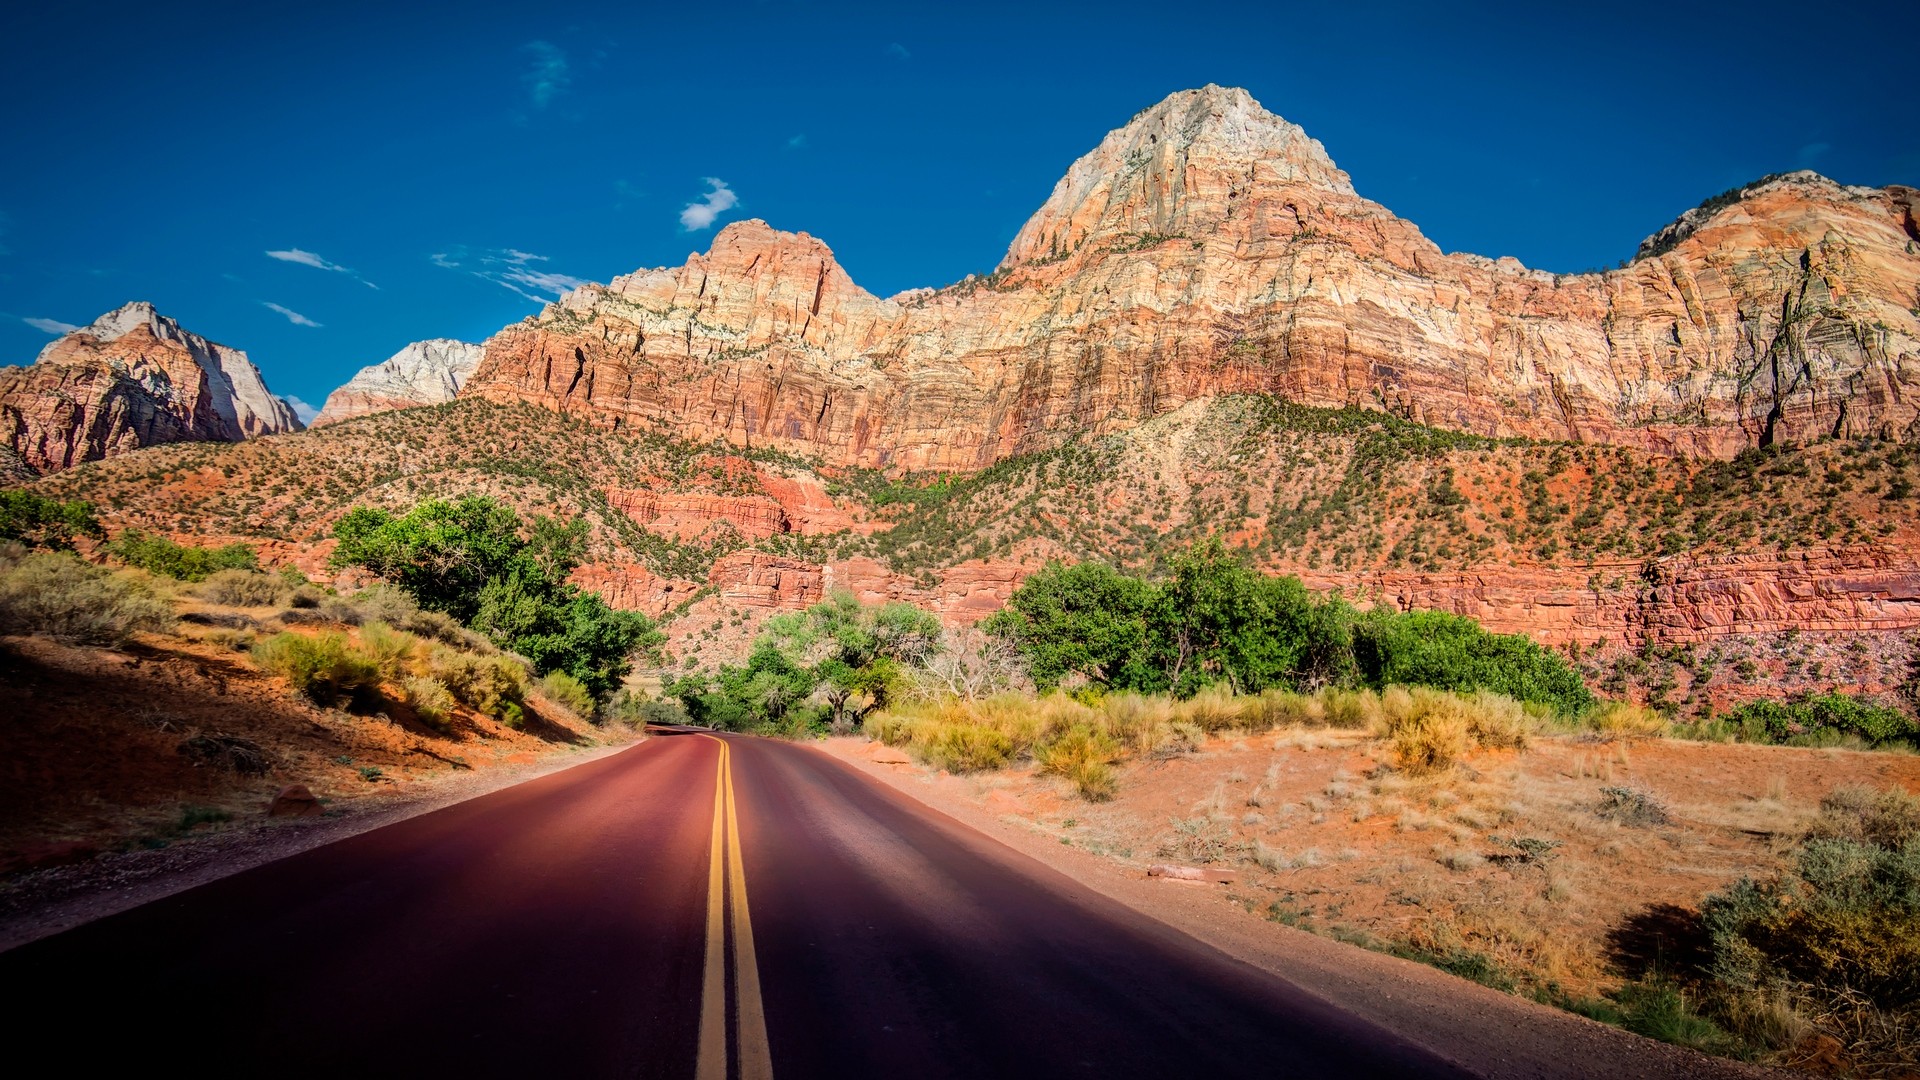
x=474, y=560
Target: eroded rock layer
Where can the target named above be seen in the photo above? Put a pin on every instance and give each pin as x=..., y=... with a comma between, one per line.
x=423, y=373
x=1210, y=247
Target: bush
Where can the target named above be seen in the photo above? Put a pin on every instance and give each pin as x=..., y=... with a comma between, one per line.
x=567, y=692
x=58, y=595
x=243, y=588
x=1452, y=652
x=494, y=686
x=1083, y=755
x=1428, y=731
x=429, y=699
x=183, y=562
x=965, y=748
x=1633, y=806
x=1626, y=718
x=325, y=668
x=1815, y=719
x=392, y=651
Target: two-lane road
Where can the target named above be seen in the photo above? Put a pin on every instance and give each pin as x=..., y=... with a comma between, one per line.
x=697, y=906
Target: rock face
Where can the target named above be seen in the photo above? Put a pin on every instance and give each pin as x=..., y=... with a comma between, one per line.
x=423, y=373
x=1209, y=247
x=134, y=378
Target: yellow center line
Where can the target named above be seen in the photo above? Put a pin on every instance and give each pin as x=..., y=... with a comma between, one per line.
x=726, y=890
x=756, y=1062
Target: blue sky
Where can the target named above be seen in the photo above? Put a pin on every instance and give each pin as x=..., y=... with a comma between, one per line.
x=321, y=185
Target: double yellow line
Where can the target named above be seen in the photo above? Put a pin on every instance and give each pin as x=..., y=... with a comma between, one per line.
x=727, y=890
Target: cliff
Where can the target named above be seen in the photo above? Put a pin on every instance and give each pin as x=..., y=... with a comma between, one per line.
x=423, y=373
x=133, y=378
x=1209, y=247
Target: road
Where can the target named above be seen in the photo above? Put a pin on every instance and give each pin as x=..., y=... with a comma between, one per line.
x=697, y=906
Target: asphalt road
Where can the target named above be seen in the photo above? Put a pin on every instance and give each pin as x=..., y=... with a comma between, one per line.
x=694, y=907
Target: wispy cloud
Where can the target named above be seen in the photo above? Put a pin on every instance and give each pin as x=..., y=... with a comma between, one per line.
x=550, y=75
x=1813, y=152
x=700, y=213
x=301, y=409
x=897, y=51
x=293, y=316
x=511, y=269
x=308, y=258
x=51, y=326
x=798, y=142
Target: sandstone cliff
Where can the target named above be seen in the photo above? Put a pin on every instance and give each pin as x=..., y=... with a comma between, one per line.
x=1210, y=247
x=423, y=373
x=133, y=378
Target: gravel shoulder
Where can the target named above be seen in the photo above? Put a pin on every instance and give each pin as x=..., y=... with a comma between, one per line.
x=1490, y=1033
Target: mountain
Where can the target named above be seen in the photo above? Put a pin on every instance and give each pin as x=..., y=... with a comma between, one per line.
x=1209, y=247
x=423, y=373
x=133, y=378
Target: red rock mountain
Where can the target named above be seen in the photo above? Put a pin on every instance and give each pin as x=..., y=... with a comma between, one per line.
x=133, y=378
x=1209, y=247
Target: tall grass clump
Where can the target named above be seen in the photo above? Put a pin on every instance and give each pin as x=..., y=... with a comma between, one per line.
x=567, y=692
x=243, y=588
x=392, y=651
x=57, y=595
x=325, y=668
x=1429, y=731
x=429, y=699
x=1084, y=756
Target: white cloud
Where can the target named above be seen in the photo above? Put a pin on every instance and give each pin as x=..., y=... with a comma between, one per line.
x=511, y=269
x=550, y=74
x=293, y=316
x=51, y=326
x=798, y=142
x=308, y=258
x=700, y=213
x=301, y=409
x=897, y=51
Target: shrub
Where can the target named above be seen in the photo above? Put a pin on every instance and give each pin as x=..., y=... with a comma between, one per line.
x=1633, y=806
x=325, y=668
x=1083, y=755
x=58, y=595
x=1816, y=719
x=243, y=588
x=1452, y=652
x=392, y=651
x=494, y=686
x=568, y=692
x=183, y=562
x=964, y=748
x=429, y=699
x=1428, y=731
x=1626, y=718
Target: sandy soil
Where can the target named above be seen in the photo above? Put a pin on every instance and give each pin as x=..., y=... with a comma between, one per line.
x=1316, y=844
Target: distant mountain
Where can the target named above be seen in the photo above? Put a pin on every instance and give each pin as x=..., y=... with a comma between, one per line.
x=423, y=373
x=1210, y=247
x=133, y=378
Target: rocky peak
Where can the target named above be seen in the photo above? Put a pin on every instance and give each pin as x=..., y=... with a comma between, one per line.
x=1800, y=188
x=424, y=373
x=132, y=378
x=751, y=266
x=1176, y=169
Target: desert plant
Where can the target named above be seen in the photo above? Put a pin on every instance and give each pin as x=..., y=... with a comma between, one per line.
x=1624, y=718
x=1084, y=756
x=185, y=562
x=1633, y=806
x=567, y=692
x=494, y=686
x=964, y=748
x=57, y=595
x=325, y=668
x=243, y=588
x=429, y=699
x=392, y=651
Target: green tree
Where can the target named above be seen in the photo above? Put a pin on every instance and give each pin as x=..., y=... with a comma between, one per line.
x=1087, y=619
x=1217, y=620
x=1453, y=652
x=37, y=521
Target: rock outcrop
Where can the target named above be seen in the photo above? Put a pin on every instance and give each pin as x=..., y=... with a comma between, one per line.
x=133, y=378
x=1209, y=247
x=423, y=373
